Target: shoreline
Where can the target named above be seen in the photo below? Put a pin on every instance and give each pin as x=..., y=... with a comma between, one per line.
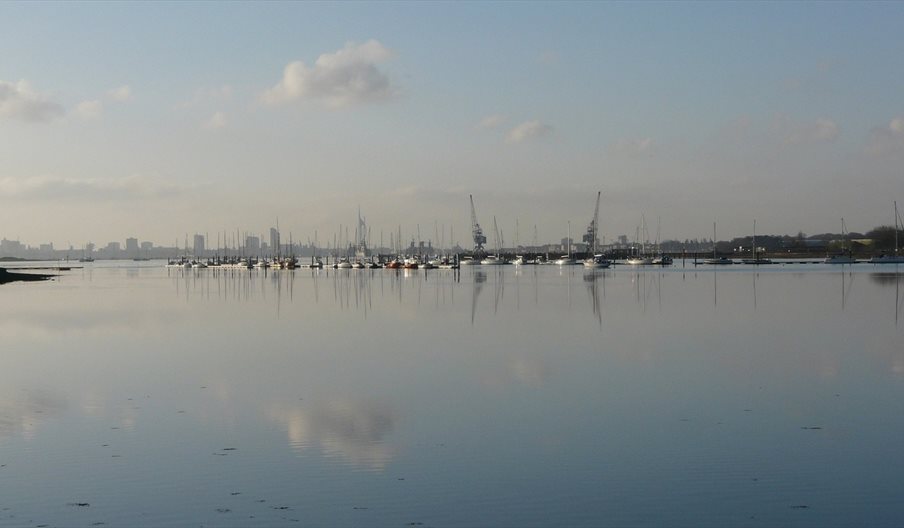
x=9, y=276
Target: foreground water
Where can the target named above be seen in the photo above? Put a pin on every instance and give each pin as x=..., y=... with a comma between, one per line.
x=536, y=397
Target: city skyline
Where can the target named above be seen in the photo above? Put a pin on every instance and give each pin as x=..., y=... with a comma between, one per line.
x=118, y=119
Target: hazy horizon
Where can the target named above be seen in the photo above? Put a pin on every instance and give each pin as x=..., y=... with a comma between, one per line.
x=156, y=120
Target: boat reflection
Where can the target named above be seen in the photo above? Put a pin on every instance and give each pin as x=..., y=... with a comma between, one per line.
x=595, y=280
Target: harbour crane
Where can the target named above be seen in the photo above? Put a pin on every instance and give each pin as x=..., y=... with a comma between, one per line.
x=592, y=234
x=479, y=238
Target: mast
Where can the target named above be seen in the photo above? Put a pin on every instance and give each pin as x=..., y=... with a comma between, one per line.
x=714, y=240
x=754, y=239
x=516, y=235
x=496, y=236
x=843, y=235
x=643, y=234
x=568, y=240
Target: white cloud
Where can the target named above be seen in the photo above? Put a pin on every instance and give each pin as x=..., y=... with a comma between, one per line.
x=490, y=122
x=819, y=131
x=217, y=120
x=888, y=138
x=19, y=101
x=89, y=109
x=342, y=78
x=528, y=130
x=122, y=93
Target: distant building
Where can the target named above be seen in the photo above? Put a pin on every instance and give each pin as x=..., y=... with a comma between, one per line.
x=147, y=246
x=132, y=245
x=11, y=247
x=45, y=248
x=199, y=244
x=252, y=243
x=113, y=247
x=274, y=239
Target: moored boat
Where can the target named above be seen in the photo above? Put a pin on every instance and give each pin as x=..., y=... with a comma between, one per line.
x=637, y=260
x=597, y=261
x=894, y=258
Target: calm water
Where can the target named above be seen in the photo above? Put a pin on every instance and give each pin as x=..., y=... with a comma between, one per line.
x=541, y=397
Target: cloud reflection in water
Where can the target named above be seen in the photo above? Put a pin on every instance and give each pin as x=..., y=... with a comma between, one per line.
x=23, y=414
x=352, y=430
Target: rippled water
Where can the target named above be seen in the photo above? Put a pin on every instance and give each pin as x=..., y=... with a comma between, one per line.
x=536, y=397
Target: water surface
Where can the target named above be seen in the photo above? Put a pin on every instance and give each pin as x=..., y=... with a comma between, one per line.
x=137, y=395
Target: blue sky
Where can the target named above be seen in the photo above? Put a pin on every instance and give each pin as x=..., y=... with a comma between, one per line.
x=790, y=113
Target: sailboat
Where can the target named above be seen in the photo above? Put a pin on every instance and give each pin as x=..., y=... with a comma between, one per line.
x=843, y=257
x=895, y=258
x=494, y=260
x=660, y=259
x=566, y=260
x=642, y=259
x=756, y=261
x=717, y=261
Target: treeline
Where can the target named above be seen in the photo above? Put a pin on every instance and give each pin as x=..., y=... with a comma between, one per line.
x=878, y=239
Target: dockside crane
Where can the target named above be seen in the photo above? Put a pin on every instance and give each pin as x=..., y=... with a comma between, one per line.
x=476, y=231
x=592, y=234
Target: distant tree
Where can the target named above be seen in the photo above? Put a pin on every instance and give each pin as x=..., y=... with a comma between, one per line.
x=884, y=237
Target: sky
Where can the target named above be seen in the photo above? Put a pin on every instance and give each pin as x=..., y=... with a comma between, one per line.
x=161, y=119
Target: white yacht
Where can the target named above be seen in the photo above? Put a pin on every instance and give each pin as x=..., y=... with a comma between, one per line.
x=638, y=260
x=597, y=261
x=492, y=260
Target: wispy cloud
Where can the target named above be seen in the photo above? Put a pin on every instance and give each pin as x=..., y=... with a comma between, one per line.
x=19, y=101
x=490, y=122
x=122, y=93
x=634, y=146
x=216, y=121
x=89, y=109
x=528, y=130
x=86, y=189
x=887, y=138
x=821, y=130
x=342, y=78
